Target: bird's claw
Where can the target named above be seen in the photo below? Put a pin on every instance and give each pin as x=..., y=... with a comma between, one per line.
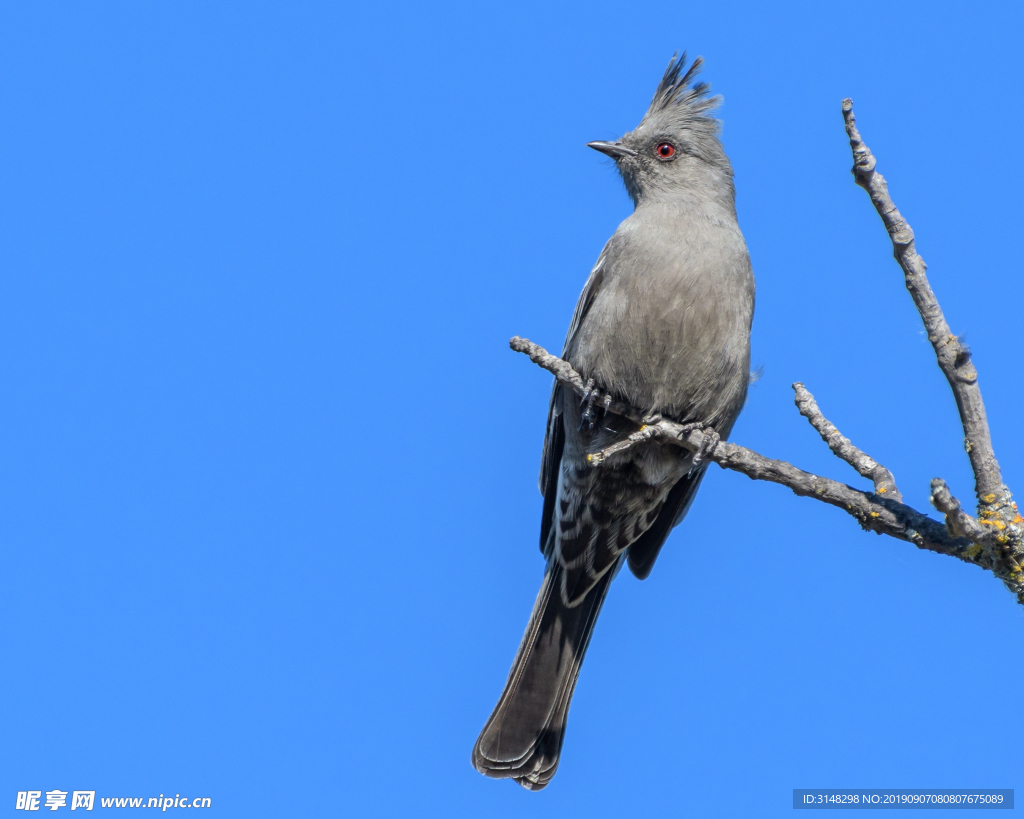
x=707, y=445
x=589, y=416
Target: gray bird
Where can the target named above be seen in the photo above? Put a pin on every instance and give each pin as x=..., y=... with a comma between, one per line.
x=663, y=323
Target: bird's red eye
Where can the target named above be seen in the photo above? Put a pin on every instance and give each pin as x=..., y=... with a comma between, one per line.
x=666, y=150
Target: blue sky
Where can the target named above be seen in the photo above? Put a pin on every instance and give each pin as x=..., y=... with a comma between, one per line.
x=269, y=469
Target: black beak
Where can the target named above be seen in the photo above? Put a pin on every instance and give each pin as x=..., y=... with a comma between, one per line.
x=616, y=150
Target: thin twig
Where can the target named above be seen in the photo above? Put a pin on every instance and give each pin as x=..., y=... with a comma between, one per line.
x=867, y=466
x=647, y=432
x=958, y=522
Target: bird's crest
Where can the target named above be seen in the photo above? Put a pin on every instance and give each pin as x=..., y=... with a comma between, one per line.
x=679, y=98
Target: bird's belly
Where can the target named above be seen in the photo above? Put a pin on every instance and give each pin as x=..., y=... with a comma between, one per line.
x=669, y=350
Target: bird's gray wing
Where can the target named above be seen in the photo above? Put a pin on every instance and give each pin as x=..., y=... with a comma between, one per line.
x=554, y=437
x=599, y=513
x=590, y=291
x=554, y=443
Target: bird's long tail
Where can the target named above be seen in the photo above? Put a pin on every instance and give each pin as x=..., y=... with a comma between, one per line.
x=523, y=737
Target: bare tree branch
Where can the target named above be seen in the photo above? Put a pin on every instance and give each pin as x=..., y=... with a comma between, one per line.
x=873, y=512
x=867, y=466
x=1002, y=533
x=953, y=356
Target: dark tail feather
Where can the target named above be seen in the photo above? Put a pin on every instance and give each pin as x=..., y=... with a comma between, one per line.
x=523, y=737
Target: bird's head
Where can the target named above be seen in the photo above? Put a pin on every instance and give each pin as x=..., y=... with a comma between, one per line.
x=675, y=148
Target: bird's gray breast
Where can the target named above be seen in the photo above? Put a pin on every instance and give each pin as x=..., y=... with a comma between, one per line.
x=668, y=328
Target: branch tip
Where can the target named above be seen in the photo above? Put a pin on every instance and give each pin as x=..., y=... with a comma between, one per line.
x=843, y=448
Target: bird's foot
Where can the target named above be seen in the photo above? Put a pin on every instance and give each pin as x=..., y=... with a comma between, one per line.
x=589, y=396
x=707, y=445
